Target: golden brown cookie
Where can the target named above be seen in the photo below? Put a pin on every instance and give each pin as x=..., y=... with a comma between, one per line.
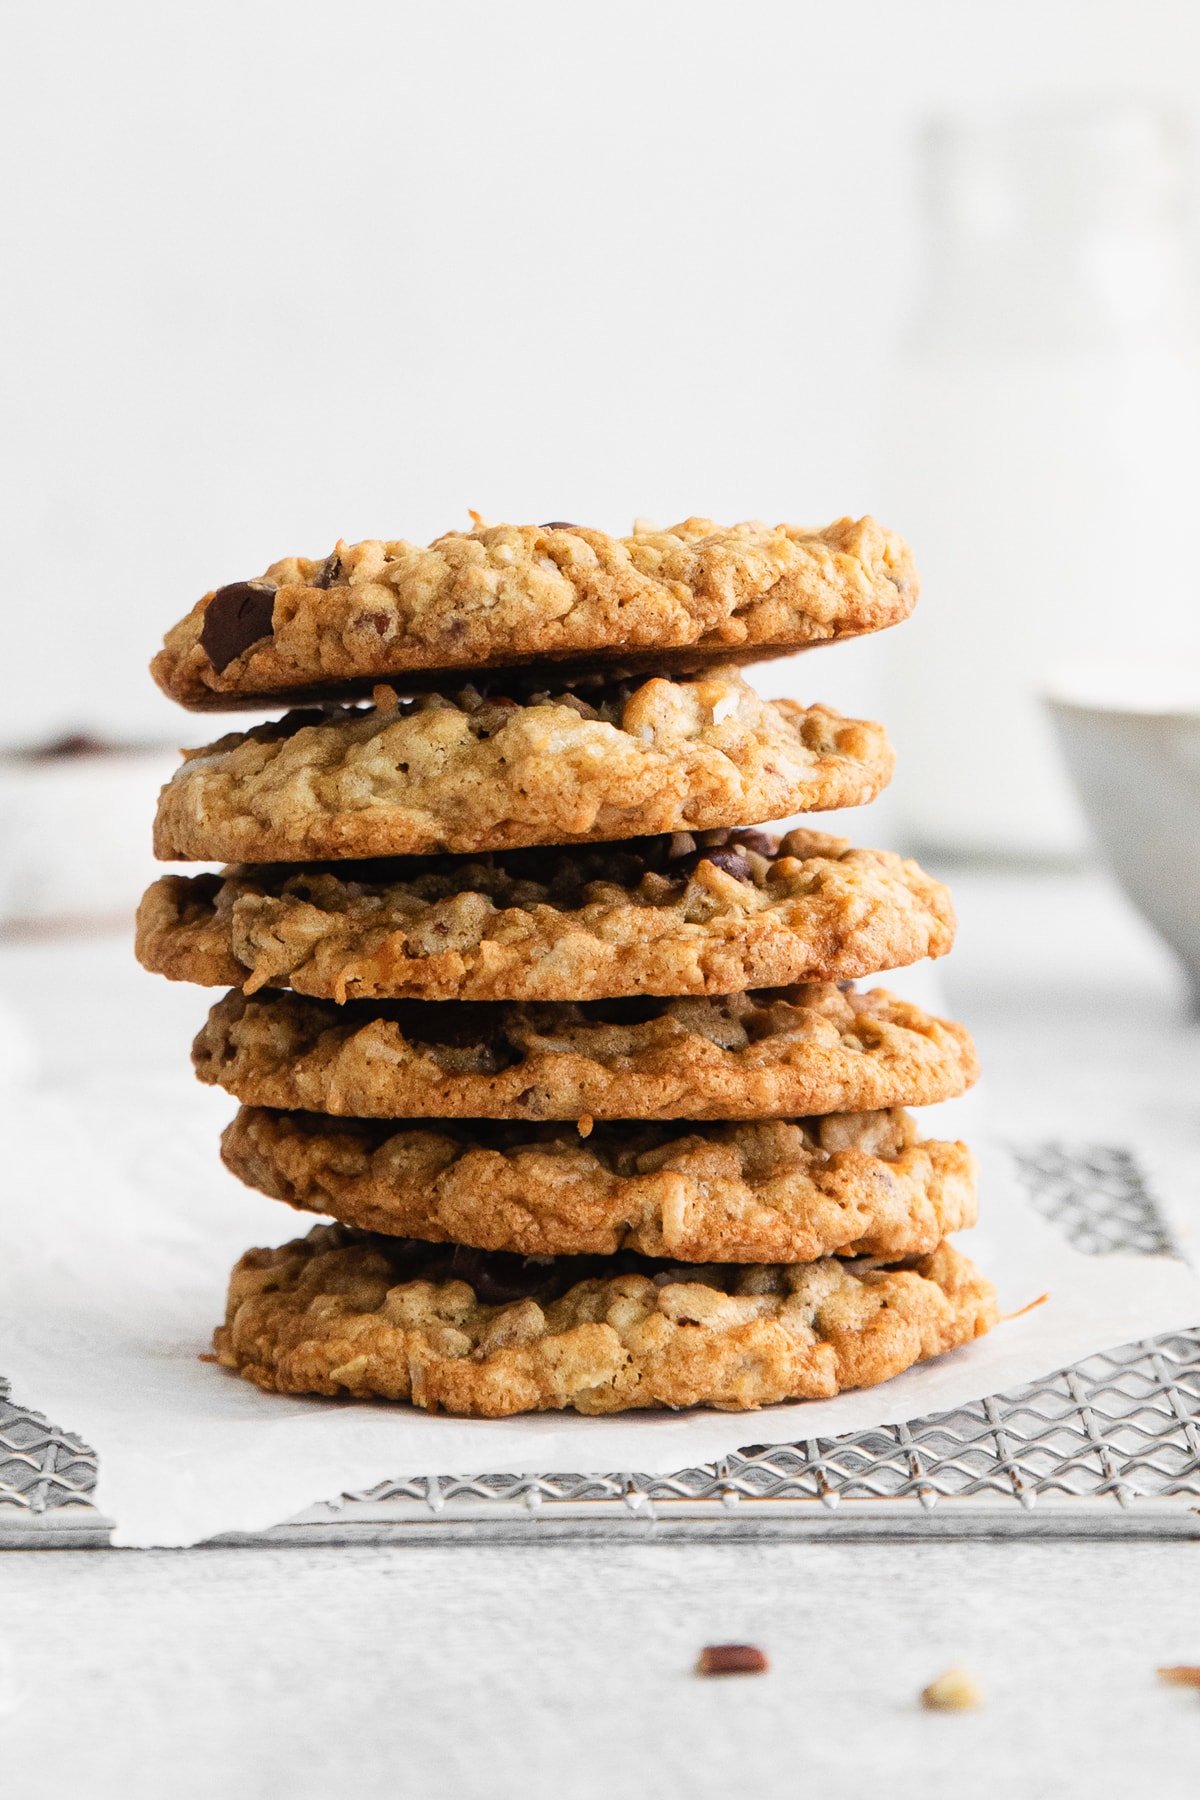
x=470, y=774
x=780, y=1190
x=503, y=596
x=343, y=1313
x=769, y=1053
x=667, y=915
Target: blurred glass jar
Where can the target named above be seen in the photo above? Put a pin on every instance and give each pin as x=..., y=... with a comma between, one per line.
x=1041, y=453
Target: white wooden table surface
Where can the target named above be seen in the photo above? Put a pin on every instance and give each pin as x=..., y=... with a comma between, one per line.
x=565, y=1670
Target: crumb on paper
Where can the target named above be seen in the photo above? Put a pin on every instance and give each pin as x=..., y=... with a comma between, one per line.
x=1181, y=1675
x=207, y=1356
x=732, y=1659
x=953, y=1691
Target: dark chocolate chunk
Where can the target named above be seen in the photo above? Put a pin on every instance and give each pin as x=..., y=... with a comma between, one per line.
x=329, y=571
x=558, y=525
x=236, y=617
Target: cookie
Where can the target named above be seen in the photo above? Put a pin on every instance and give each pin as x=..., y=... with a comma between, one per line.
x=768, y=1053
x=472, y=773
x=665, y=915
x=341, y=1312
x=858, y=1184
x=503, y=596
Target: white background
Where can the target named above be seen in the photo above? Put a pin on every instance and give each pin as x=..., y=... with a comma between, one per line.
x=275, y=273
x=280, y=272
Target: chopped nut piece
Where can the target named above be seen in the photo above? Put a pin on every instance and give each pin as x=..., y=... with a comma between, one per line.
x=955, y=1691
x=732, y=1659
x=1181, y=1675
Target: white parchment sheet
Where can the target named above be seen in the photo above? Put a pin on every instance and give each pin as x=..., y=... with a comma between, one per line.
x=118, y=1228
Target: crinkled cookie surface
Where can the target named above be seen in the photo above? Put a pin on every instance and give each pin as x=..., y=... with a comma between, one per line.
x=484, y=773
x=340, y=1313
x=505, y=595
x=780, y=1190
x=671, y=915
x=767, y=1053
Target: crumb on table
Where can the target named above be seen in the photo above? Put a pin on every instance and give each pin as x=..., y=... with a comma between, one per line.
x=953, y=1691
x=732, y=1659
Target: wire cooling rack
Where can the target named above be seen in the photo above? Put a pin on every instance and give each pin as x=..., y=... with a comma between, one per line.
x=1108, y=1448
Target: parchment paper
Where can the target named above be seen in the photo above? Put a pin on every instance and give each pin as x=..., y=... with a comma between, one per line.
x=117, y=1233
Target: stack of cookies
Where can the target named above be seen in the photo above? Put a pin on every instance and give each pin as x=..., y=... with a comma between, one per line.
x=525, y=999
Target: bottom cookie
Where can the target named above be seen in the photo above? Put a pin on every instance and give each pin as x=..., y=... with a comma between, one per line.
x=487, y=1334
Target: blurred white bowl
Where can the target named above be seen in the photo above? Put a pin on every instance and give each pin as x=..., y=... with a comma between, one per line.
x=75, y=824
x=1131, y=736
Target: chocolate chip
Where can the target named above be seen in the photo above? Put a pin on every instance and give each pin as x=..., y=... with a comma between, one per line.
x=299, y=719
x=729, y=860
x=329, y=571
x=413, y=1259
x=236, y=617
x=732, y=1659
x=760, y=841
x=558, y=525
x=498, y=1276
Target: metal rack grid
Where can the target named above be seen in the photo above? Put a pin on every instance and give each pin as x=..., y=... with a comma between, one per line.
x=1110, y=1447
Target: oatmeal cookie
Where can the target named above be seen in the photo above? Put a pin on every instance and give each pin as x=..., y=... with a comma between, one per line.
x=779, y=1190
x=476, y=773
x=341, y=1312
x=768, y=1053
x=706, y=914
x=503, y=596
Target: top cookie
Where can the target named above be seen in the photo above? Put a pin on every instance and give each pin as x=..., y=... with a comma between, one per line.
x=503, y=596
